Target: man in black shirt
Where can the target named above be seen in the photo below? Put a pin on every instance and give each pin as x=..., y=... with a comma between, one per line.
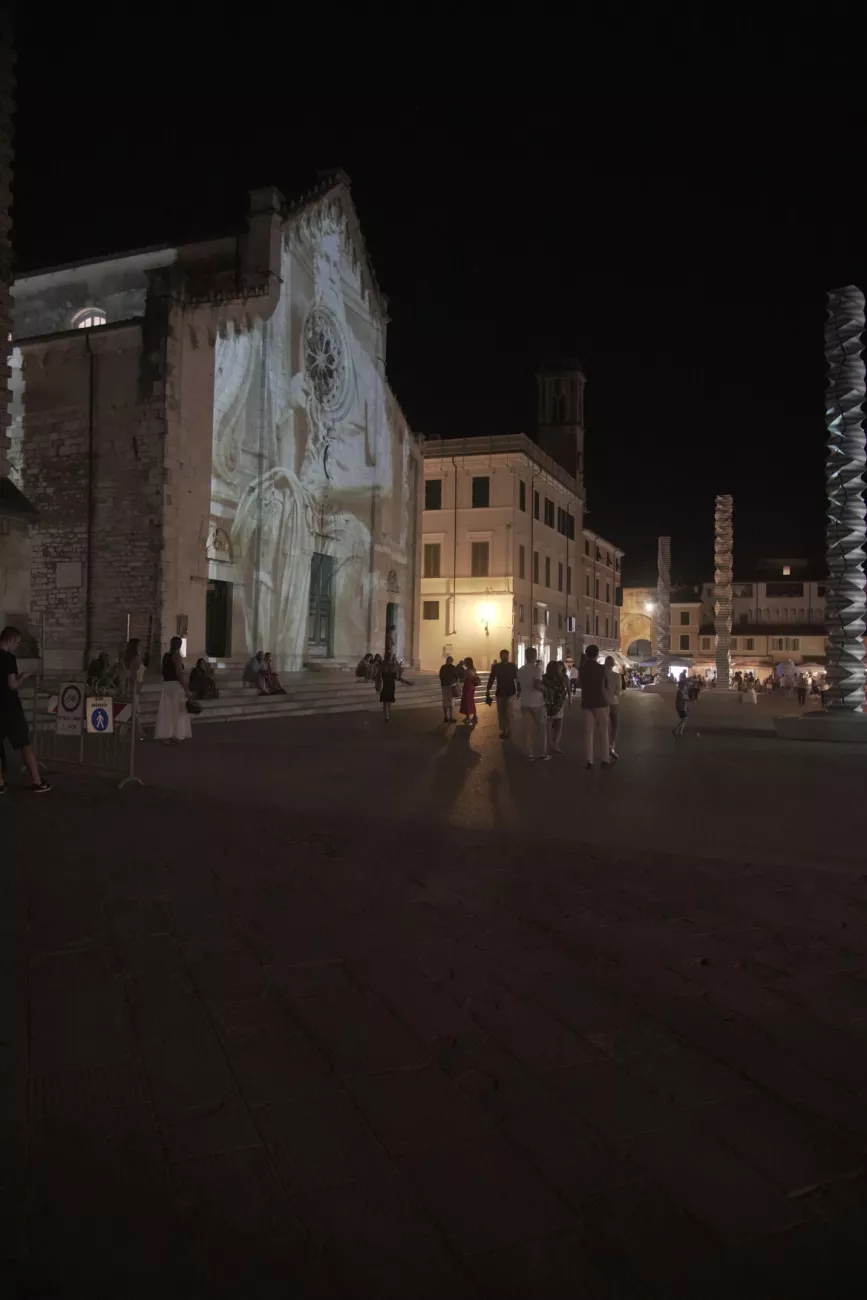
x=13, y=724
x=448, y=680
x=595, y=701
x=505, y=674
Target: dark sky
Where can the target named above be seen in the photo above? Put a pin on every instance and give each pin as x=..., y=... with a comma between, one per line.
x=682, y=246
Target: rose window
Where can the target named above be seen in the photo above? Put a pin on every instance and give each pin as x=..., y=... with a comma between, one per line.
x=325, y=360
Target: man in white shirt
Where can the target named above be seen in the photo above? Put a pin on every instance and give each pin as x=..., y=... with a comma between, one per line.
x=615, y=688
x=533, y=708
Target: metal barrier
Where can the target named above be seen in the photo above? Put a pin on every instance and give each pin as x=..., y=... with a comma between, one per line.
x=63, y=730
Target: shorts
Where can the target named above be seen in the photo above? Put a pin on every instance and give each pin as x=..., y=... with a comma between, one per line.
x=14, y=729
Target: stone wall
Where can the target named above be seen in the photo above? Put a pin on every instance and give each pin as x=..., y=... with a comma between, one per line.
x=92, y=468
x=7, y=86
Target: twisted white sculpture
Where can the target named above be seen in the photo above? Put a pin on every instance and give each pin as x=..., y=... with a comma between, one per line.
x=844, y=469
x=722, y=607
x=663, y=608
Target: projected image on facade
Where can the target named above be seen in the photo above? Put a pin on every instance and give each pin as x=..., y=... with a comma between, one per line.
x=313, y=463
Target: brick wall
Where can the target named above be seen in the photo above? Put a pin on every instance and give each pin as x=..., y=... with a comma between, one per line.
x=105, y=484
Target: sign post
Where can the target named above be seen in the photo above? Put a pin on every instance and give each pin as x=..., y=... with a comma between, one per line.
x=70, y=709
x=100, y=716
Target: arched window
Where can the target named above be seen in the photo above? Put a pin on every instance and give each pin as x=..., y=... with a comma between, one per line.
x=88, y=318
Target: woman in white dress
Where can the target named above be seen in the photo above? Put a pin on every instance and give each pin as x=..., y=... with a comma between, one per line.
x=173, y=721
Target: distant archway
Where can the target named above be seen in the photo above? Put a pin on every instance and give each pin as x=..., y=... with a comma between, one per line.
x=640, y=650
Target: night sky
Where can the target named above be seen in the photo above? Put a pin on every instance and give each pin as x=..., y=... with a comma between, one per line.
x=681, y=247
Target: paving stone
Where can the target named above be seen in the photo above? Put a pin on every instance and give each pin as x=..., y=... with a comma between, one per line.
x=99, y=1088
x=530, y=1033
x=671, y=1253
x=270, y=1066
x=410, y=1110
x=556, y=1268
x=358, y=1032
x=675, y=1072
x=164, y=1006
x=809, y=1261
x=225, y=971
x=610, y=1101
x=82, y=1028
x=320, y=1141
x=314, y=979
x=483, y=1194
x=379, y=1243
x=99, y=1162
x=724, y=1193
x=791, y=1150
x=186, y=1073
x=209, y=1128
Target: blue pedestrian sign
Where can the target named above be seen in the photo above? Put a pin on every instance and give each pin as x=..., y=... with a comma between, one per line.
x=100, y=717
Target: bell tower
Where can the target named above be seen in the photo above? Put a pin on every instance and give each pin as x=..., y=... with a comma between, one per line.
x=560, y=414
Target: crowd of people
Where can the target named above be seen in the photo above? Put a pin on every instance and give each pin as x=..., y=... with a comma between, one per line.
x=544, y=695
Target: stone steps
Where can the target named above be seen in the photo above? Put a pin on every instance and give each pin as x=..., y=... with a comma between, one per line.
x=306, y=695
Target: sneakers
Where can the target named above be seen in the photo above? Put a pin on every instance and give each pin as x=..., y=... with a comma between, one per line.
x=42, y=788
x=546, y=758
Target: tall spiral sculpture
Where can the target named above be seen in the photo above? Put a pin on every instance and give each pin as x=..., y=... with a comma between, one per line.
x=844, y=470
x=663, y=608
x=722, y=608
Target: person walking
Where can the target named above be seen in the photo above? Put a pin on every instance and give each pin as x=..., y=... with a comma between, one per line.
x=802, y=690
x=682, y=706
x=615, y=689
x=173, y=721
x=533, y=707
x=389, y=672
x=505, y=675
x=13, y=723
x=468, y=693
x=448, y=683
x=595, y=706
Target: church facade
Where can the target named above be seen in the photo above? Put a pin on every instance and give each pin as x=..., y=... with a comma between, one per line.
x=210, y=441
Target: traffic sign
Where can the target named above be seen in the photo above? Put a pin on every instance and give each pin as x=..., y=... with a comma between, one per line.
x=100, y=716
x=70, y=709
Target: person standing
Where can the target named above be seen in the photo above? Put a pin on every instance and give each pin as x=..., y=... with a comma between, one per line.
x=554, y=686
x=173, y=721
x=615, y=689
x=595, y=705
x=448, y=682
x=802, y=690
x=682, y=707
x=468, y=693
x=505, y=675
x=13, y=723
x=533, y=707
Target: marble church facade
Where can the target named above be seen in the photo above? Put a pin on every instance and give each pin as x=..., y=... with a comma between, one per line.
x=213, y=449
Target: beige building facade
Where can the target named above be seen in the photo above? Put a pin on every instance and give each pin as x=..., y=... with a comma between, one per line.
x=778, y=617
x=506, y=562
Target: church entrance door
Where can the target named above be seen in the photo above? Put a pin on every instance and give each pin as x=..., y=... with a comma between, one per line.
x=321, y=606
x=218, y=619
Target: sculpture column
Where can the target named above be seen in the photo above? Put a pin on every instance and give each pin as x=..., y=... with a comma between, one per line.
x=663, y=608
x=722, y=607
x=844, y=469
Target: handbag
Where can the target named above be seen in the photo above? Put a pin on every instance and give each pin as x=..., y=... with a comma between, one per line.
x=193, y=706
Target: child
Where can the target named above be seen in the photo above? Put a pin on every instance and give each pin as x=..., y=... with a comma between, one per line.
x=468, y=694
x=682, y=708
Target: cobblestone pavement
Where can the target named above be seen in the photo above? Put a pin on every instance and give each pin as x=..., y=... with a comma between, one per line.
x=342, y=1009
